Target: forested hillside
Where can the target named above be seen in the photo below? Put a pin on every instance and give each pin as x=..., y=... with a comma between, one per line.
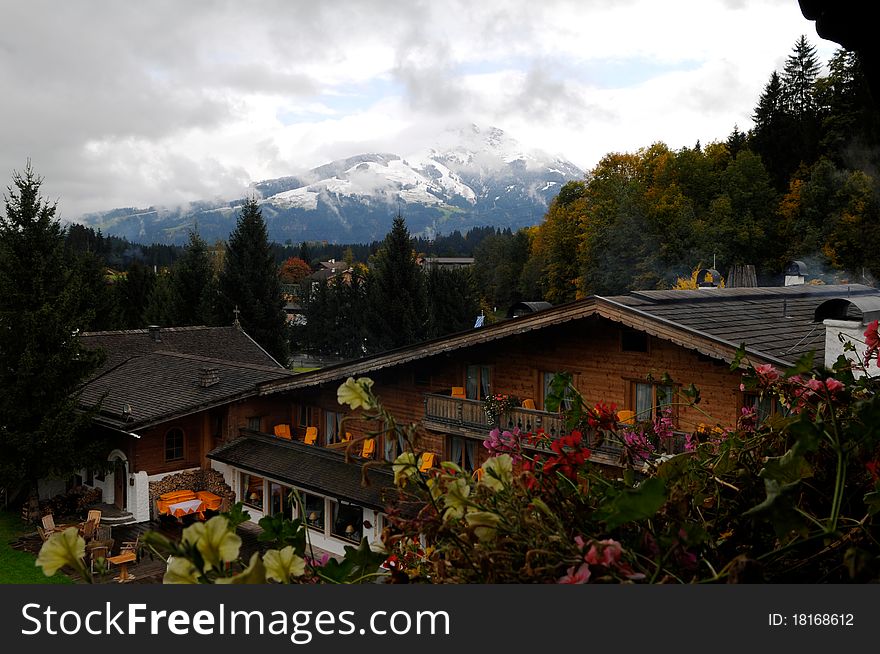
x=801, y=184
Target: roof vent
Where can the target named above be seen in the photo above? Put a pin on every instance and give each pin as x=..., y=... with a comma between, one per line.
x=154, y=333
x=209, y=377
x=795, y=273
x=708, y=278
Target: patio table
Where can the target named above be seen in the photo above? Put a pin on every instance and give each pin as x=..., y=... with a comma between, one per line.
x=180, y=509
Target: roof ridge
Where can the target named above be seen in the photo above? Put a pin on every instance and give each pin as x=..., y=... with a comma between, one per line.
x=188, y=328
x=226, y=362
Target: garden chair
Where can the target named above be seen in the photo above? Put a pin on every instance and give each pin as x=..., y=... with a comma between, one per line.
x=130, y=545
x=369, y=448
x=282, y=431
x=528, y=403
x=94, y=516
x=87, y=530
x=44, y=535
x=427, y=461
x=458, y=391
x=49, y=523
x=311, y=435
x=626, y=417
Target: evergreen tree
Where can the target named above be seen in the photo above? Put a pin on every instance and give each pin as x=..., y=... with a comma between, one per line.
x=42, y=363
x=193, y=285
x=99, y=297
x=160, y=306
x=454, y=303
x=398, y=309
x=799, y=80
x=134, y=295
x=250, y=281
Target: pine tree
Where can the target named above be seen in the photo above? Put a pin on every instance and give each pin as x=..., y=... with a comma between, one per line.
x=160, y=305
x=193, y=286
x=454, y=303
x=134, y=295
x=799, y=79
x=398, y=309
x=42, y=363
x=250, y=282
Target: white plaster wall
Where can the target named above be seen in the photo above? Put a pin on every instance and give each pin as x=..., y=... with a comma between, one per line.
x=837, y=334
x=139, y=497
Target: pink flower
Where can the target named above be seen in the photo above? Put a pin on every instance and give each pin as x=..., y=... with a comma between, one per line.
x=607, y=554
x=581, y=576
x=833, y=385
x=767, y=373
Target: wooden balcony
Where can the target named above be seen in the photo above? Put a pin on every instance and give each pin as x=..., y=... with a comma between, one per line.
x=468, y=418
x=463, y=417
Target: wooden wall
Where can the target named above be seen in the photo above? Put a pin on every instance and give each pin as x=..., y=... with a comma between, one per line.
x=590, y=349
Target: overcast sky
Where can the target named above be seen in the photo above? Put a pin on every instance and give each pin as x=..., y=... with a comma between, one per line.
x=138, y=103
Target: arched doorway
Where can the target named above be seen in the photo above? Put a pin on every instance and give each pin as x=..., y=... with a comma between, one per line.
x=120, y=487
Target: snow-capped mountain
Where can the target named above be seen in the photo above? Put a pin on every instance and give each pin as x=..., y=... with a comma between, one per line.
x=470, y=177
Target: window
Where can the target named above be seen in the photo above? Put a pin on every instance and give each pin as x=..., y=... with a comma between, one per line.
x=548, y=380
x=477, y=383
x=463, y=451
x=332, y=421
x=765, y=406
x=174, y=444
x=313, y=511
x=633, y=341
x=348, y=521
x=394, y=447
x=305, y=416
x=252, y=490
x=255, y=423
x=279, y=495
x=649, y=399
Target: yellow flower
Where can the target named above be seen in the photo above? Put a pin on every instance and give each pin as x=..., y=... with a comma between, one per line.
x=356, y=393
x=62, y=548
x=498, y=472
x=455, y=500
x=283, y=564
x=255, y=573
x=180, y=571
x=484, y=523
x=404, y=467
x=215, y=541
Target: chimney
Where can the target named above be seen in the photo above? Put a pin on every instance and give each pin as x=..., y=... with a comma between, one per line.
x=155, y=336
x=209, y=377
x=742, y=276
x=795, y=273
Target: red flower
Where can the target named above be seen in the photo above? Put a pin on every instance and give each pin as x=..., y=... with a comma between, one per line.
x=872, y=340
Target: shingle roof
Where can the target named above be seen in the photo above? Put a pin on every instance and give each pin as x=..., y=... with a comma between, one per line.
x=778, y=321
x=306, y=466
x=227, y=343
x=158, y=386
x=714, y=322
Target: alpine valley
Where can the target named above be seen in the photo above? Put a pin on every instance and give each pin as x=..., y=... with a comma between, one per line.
x=471, y=177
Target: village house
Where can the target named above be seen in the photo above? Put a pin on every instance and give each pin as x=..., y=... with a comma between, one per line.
x=636, y=351
x=209, y=398
x=167, y=397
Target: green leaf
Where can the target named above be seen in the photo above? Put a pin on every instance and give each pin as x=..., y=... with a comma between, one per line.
x=779, y=508
x=692, y=393
x=633, y=504
x=786, y=469
x=738, y=357
x=872, y=500
x=237, y=515
x=281, y=532
x=675, y=467
x=804, y=365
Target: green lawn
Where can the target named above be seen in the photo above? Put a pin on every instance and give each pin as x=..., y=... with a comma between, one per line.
x=20, y=567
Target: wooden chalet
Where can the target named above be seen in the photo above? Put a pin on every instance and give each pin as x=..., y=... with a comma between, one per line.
x=622, y=350
x=167, y=397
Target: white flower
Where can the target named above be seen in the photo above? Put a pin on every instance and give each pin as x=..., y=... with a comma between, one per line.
x=497, y=472
x=356, y=394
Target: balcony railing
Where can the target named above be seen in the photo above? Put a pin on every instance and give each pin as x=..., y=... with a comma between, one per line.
x=470, y=416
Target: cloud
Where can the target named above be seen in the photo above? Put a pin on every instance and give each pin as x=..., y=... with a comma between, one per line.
x=122, y=104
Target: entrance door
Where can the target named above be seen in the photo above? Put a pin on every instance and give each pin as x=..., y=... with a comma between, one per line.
x=119, y=485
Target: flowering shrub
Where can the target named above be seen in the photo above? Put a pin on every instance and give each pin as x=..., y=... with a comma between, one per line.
x=497, y=405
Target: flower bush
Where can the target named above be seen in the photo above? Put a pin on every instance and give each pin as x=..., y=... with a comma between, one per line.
x=499, y=404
